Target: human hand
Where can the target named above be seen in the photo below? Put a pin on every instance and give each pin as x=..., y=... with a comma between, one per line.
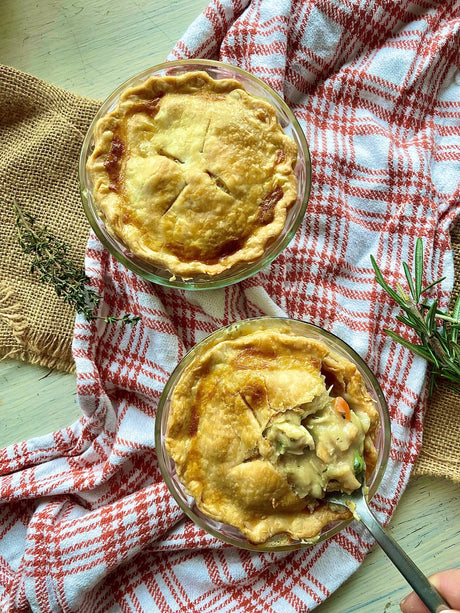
x=447, y=582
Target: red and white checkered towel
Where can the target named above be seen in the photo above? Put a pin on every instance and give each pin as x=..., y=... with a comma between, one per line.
x=86, y=522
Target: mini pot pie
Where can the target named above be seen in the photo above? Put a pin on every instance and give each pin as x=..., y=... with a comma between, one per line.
x=193, y=174
x=262, y=425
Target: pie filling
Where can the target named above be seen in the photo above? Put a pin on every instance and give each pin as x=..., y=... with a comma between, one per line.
x=192, y=174
x=263, y=425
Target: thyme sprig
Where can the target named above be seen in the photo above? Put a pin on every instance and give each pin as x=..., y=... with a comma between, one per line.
x=52, y=262
x=437, y=330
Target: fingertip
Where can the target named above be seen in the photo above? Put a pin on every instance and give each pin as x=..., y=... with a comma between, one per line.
x=412, y=604
x=447, y=583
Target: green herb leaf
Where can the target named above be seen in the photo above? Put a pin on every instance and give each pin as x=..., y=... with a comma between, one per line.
x=418, y=268
x=456, y=315
x=417, y=349
x=409, y=280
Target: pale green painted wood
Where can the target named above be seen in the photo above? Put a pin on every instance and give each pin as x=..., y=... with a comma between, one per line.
x=88, y=47
x=34, y=401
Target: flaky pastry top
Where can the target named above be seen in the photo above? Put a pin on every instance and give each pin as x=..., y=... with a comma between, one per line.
x=258, y=436
x=193, y=174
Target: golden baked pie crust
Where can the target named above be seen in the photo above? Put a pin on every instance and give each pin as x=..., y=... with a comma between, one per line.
x=193, y=174
x=219, y=411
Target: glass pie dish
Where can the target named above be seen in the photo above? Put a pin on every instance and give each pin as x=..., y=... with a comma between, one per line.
x=173, y=473
x=160, y=274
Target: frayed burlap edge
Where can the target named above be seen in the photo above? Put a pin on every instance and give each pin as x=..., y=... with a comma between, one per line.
x=40, y=349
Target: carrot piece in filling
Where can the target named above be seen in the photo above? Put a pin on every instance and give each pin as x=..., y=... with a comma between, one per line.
x=341, y=406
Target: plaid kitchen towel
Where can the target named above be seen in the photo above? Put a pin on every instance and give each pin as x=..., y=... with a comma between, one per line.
x=86, y=522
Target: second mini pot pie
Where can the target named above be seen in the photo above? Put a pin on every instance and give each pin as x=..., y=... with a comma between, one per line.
x=261, y=426
x=193, y=174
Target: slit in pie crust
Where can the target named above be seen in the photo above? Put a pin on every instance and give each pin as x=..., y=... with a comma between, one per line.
x=193, y=174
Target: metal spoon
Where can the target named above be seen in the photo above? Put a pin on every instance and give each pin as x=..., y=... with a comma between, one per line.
x=357, y=503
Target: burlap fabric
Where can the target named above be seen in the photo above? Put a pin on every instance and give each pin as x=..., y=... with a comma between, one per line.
x=41, y=131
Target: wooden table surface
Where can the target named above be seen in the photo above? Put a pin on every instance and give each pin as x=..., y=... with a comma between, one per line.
x=88, y=47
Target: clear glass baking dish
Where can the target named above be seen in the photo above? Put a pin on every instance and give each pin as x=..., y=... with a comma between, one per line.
x=225, y=532
x=291, y=127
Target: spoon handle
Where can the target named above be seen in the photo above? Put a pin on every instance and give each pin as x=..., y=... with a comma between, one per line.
x=413, y=575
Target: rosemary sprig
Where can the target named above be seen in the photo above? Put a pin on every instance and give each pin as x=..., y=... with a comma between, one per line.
x=437, y=330
x=51, y=261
